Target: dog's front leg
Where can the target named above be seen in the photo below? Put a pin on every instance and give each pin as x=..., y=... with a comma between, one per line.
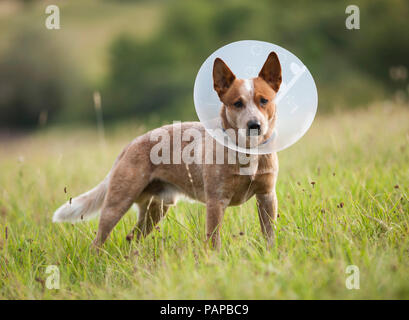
x=215, y=211
x=267, y=213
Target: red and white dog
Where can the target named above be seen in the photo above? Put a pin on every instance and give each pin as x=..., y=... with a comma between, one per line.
x=247, y=104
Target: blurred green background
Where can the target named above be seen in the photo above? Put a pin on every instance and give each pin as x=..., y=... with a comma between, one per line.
x=143, y=56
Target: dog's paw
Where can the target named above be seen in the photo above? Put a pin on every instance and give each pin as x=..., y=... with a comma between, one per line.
x=130, y=236
x=95, y=248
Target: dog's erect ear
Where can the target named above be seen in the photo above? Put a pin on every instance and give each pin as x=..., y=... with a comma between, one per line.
x=271, y=71
x=222, y=77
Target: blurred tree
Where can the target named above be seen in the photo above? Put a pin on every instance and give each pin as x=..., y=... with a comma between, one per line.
x=155, y=76
x=350, y=67
x=35, y=79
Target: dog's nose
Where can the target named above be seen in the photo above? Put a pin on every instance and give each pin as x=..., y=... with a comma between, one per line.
x=254, y=126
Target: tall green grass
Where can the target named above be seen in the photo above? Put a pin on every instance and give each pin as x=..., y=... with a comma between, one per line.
x=356, y=213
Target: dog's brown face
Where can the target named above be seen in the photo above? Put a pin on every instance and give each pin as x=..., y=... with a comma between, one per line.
x=248, y=104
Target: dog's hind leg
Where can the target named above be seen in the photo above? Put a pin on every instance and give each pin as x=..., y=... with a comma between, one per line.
x=125, y=185
x=142, y=208
x=150, y=213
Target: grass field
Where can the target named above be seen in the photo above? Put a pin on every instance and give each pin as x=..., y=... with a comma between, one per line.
x=356, y=213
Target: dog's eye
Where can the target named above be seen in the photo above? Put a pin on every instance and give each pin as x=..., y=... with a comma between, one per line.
x=263, y=101
x=238, y=104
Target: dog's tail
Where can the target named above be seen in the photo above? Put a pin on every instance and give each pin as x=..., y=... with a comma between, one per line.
x=83, y=207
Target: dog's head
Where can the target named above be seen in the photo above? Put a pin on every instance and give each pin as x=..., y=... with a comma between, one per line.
x=248, y=104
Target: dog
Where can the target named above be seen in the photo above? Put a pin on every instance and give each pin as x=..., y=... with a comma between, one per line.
x=247, y=104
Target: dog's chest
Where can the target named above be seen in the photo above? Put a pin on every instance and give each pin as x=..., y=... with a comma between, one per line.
x=243, y=186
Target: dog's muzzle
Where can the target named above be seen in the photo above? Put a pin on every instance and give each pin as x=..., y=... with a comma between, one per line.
x=253, y=128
